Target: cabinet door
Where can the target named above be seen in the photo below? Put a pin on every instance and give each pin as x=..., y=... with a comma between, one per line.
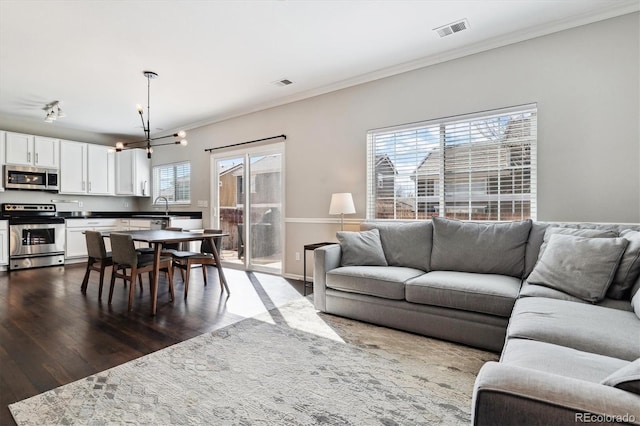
x=46, y=152
x=73, y=167
x=4, y=247
x=2, y=151
x=76, y=243
x=143, y=174
x=19, y=149
x=124, y=172
x=100, y=169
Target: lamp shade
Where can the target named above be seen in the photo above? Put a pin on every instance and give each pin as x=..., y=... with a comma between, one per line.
x=342, y=203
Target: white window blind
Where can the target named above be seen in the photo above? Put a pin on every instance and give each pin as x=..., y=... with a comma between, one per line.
x=475, y=167
x=173, y=181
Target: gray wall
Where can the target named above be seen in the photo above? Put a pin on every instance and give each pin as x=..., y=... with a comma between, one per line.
x=585, y=82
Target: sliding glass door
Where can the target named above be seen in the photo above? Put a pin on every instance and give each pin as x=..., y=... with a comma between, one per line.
x=248, y=204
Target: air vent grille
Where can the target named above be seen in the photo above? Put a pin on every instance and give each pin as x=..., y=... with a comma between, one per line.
x=283, y=82
x=452, y=28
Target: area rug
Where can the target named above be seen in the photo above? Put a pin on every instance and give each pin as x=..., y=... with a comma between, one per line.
x=290, y=366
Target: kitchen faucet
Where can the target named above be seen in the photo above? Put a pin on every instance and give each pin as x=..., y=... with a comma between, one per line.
x=166, y=204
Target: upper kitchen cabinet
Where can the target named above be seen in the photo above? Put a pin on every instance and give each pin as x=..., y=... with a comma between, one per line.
x=29, y=150
x=86, y=169
x=133, y=173
x=2, y=149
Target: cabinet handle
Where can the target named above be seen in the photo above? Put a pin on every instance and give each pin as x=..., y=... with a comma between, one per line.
x=36, y=158
x=28, y=157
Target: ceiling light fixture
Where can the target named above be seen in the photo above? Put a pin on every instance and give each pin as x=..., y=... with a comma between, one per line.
x=145, y=126
x=53, y=112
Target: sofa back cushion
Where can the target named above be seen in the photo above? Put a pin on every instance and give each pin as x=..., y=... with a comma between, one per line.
x=486, y=248
x=405, y=243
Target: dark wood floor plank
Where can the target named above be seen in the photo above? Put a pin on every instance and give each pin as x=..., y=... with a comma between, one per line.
x=51, y=334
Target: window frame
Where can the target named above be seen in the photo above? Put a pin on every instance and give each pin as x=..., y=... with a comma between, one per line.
x=155, y=190
x=438, y=136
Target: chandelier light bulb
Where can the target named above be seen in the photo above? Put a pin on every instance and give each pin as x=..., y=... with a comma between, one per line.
x=184, y=142
x=139, y=108
x=182, y=134
x=119, y=146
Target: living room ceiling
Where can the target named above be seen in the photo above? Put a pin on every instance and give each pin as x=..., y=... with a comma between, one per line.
x=219, y=59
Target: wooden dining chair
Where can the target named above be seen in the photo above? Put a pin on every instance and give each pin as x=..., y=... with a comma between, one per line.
x=183, y=260
x=98, y=260
x=126, y=257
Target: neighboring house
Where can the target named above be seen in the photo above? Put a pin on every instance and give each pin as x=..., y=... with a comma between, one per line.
x=497, y=184
x=385, y=193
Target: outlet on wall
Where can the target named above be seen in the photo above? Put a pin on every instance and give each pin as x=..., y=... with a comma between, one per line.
x=80, y=204
x=298, y=256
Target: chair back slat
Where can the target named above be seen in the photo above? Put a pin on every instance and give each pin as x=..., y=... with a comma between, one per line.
x=123, y=250
x=205, y=247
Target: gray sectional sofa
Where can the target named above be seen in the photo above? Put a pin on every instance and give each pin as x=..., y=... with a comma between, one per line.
x=555, y=299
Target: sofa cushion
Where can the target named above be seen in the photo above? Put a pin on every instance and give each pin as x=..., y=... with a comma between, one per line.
x=582, y=326
x=361, y=248
x=581, y=267
x=626, y=378
x=405, y=244
x=487, y=293
x=629, y=268
x=560, y=360
x=485, y=248
x=387, y=282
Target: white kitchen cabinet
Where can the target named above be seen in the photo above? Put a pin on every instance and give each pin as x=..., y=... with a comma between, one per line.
x=29, y=150
x=101, y=170
x=73, y=167
x=76, y=242
x=4, y=244
x=133, y=172
x=2, y=150
x=86, y=169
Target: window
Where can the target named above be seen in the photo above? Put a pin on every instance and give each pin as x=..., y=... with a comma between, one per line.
x=173, y=181
x=475, y=167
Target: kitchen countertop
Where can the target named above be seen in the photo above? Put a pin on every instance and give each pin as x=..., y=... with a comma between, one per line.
x=129, y=214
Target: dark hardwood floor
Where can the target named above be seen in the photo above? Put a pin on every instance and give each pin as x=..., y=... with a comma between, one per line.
x=51, y=334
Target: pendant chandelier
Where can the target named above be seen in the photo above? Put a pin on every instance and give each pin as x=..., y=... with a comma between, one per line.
x=150, y=75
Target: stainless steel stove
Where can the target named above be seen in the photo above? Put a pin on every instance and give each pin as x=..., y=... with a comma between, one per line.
x=36, y=235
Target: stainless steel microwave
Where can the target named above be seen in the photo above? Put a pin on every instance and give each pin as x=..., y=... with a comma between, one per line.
x=21, y=177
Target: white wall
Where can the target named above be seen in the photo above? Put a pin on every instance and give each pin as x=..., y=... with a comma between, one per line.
x=585, y=82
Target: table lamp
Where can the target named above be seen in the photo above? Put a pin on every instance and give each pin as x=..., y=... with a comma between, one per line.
x=342, y=203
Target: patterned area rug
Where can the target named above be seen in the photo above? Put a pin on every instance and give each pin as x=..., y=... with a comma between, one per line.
x=290, y=366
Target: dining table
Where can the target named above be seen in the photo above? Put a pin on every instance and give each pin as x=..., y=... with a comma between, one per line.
x=159, y=237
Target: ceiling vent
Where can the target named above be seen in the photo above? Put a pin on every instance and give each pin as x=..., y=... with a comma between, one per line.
x=283, y=82
x=452, y=28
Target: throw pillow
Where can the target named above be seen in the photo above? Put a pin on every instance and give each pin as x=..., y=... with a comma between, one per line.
x=405, y=244
x=485, y=248
x=581, y=267
x=627, y=378
x=635, y=300
x=361, y=248
x=629, y=268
